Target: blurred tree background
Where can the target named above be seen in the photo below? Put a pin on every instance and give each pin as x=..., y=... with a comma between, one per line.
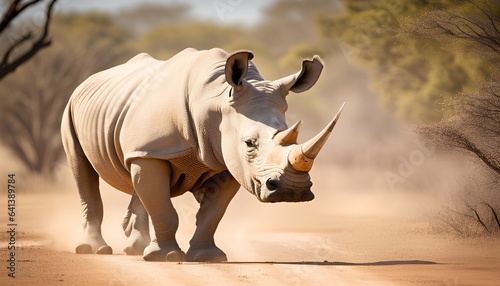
x=34, y=97
x=430, y=63
x=414, y=75
x=437, y=63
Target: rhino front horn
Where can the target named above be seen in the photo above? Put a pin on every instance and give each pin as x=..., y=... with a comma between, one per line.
x=301, y=156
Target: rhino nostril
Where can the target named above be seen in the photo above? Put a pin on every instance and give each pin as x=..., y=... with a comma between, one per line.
x=272, y=184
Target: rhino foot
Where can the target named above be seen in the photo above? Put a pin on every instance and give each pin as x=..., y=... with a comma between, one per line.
x=136, y=245
x=134, y=250
x=105, y=249
x=206, y=254
x=153, y=252
x=86, y=248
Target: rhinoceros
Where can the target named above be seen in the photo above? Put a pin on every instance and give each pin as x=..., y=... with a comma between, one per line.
x=203, y=122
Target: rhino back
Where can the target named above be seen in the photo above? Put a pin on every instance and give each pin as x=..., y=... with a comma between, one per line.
x=143, y=109
x=176, y=108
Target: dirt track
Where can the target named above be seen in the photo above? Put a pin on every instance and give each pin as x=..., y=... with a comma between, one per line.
x=341, y=238
x=410, y=260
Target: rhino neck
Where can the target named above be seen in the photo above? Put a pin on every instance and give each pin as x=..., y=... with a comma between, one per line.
x=206, y=119
x=205, y=98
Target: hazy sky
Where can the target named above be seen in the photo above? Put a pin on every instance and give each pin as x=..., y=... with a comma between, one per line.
x=221, y=11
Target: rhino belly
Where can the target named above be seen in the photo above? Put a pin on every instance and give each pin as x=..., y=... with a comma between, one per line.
x=188, y=174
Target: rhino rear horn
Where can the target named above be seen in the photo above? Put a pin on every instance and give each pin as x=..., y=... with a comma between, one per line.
x=289, y=136
x=237, y=67
x=301, y=157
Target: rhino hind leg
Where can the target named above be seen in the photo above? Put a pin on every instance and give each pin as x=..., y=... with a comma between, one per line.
x=87, y=181
x=136, y=227
x=219, y=191
x=151, y=178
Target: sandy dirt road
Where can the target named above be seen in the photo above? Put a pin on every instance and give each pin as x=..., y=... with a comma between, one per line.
x=342, y=238
x=420, y=260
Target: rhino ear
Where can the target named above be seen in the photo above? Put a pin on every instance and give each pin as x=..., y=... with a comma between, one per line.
x=305, y=78
x=237, y=66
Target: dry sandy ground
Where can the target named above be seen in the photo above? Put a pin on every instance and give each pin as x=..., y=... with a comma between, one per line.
x=341, y=238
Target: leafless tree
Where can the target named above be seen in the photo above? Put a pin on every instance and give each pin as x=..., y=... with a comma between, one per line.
x=26, y=46
x=477, y=219
x=33, y=99
x=476, y=23
x=474, y=124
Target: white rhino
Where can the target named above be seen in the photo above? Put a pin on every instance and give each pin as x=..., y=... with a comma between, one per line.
x=204, y=122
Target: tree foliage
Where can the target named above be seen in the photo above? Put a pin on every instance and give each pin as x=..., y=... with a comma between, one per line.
x=33, y=99
x=145, y=17
x=288, y=23
x=474, y=25
x=474, y=125
x=414, y=75
x=166, y=40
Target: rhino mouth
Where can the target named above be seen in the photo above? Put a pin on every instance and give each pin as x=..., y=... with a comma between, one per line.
x=282, y=187
x=256, y=188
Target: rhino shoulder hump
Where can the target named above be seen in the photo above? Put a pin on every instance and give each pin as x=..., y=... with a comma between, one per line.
x=139, y=57
x=189, y=50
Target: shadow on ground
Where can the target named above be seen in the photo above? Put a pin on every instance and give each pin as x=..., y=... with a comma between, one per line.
x=339, y=263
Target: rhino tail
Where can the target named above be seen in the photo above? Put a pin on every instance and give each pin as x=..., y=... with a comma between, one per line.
x=126, y=225
x=133, y=210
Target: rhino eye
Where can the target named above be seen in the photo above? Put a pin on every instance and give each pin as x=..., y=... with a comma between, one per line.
x=250, y=143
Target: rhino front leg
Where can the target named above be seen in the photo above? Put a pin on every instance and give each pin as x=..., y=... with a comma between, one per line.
x=136, y=227
x=151, y=178
x=219, y=191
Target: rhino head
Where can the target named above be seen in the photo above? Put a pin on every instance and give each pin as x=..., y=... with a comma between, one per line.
x=258, y=149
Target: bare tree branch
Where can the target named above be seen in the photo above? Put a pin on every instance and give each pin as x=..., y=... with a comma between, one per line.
x=36, y=95
x=451, y=137
x=474, y=122
x=488, y=14
x=478, y=26
x=454, y=226
x=493, y=212
x=6, y=65
x=478, y=218
x=13, y=11
x=20, y=41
